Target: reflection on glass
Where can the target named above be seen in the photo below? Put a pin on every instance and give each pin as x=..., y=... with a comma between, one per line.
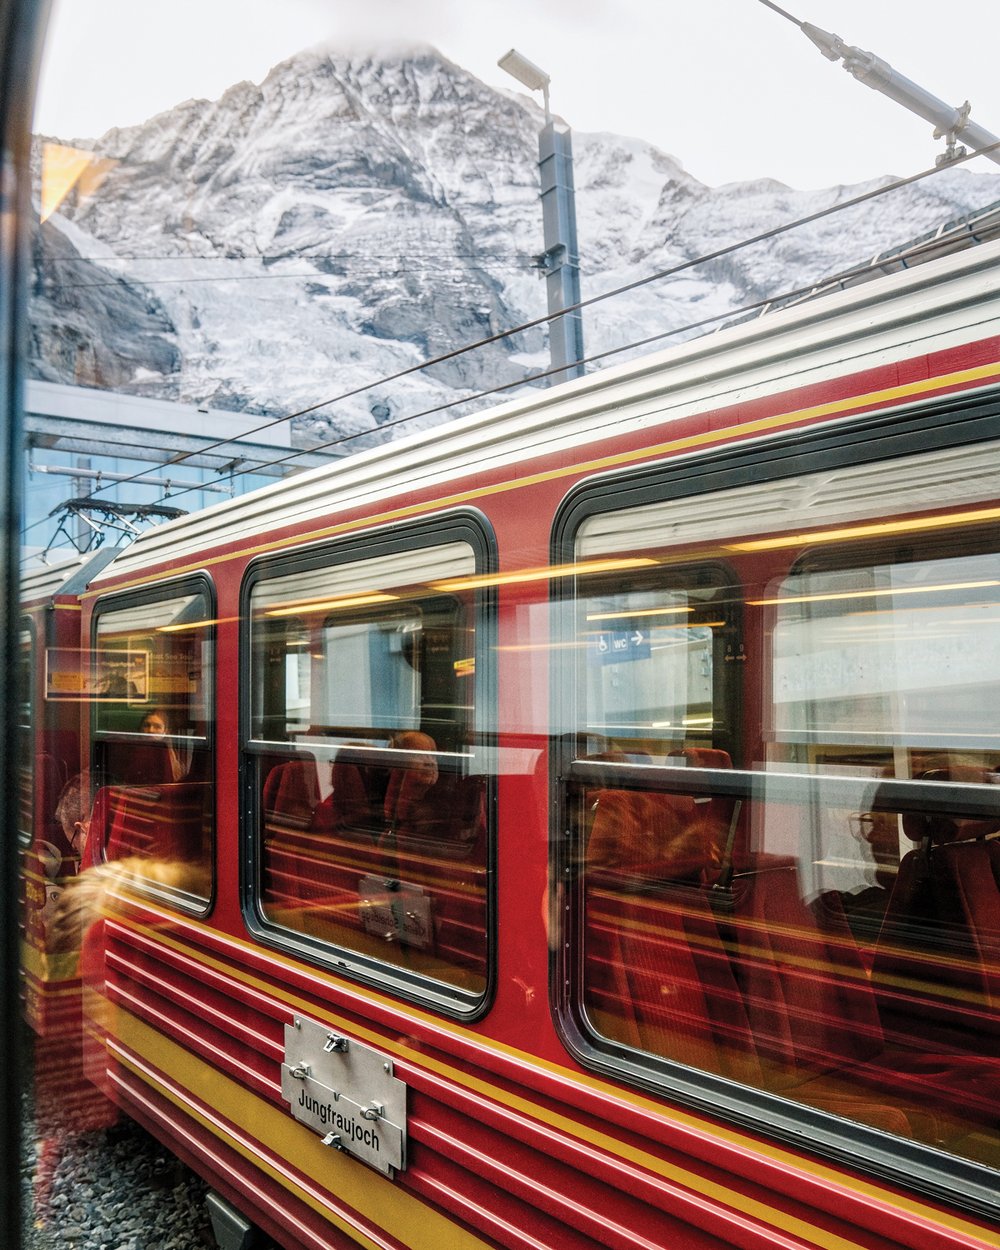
x=371, y=807
x=67, y=170
x=194, y=275
x=651, y=663
x=820, y=921
x=154, y=798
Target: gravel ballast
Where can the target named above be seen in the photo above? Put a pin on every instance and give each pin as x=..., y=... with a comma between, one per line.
x=111, y=1189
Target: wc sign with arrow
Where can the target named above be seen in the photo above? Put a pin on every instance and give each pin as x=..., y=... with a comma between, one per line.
x=621, y=645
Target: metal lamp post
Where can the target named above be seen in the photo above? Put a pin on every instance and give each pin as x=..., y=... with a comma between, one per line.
x=560, y=261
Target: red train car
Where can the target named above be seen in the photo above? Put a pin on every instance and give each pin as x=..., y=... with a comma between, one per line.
x=578, y=826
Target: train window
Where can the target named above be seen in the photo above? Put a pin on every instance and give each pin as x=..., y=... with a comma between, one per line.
x=370, y=803
x=150, y=691
x=783, y=796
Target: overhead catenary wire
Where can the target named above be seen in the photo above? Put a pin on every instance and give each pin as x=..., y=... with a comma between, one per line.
x=771, y=5
x=499, y=336
x=730, y=315
x=311, y=276
x=900, y=257
x=357, y=264
x=273, y=257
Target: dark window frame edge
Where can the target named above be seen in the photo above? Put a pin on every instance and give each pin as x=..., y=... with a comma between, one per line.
x=468, y=524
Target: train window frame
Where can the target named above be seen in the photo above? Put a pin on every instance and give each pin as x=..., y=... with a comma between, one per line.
x=468, y=526
x=892, y=434
x=195, y=584
x=27, y=722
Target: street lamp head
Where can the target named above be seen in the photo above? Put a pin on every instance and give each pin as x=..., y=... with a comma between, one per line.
x=528, y=73
x=525, y=71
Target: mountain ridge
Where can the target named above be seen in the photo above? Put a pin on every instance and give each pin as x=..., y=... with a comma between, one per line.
x=351, y=215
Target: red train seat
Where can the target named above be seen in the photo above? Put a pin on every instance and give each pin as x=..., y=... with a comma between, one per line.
x=937, y=964
x=347, y=805
x=291, y=794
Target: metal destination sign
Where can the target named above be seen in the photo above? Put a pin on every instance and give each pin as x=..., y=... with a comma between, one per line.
x=345, y=1091
x=395, y=910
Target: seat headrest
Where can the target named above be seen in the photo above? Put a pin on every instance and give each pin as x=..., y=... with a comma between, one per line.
x=707, y=757
x=940, y=827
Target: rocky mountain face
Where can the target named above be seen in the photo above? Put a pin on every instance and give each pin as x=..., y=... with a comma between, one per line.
x=353, y=216
x=93, y=330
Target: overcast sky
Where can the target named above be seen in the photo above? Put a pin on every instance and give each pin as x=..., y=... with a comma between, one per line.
x=729, y=87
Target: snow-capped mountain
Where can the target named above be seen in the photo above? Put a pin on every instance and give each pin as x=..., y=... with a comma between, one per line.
x=352, y=216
